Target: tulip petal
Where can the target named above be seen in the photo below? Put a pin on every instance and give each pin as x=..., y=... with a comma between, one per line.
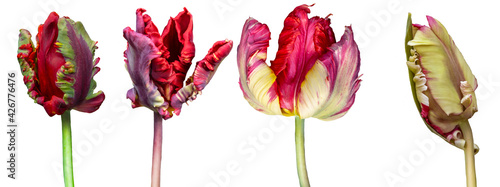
x=91, y=103
x=205, y=69
x=177, y=51
x=456, y=56
x=140, y=51
x=338, y=69
x=301, y=42
x=93, y=100
x=203, y=73
x=410, y=31
x=418, y=80
x=49, y=59
x=75, y=78
x=145, y=25
x=186, y=93
x=131, y=94
x=316, y=88
x=27, y=61
x=257, y=80
x=54, y=105
x=443, y=65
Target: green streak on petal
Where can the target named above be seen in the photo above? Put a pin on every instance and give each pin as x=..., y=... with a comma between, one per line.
x=27, y=69
x=78, y=50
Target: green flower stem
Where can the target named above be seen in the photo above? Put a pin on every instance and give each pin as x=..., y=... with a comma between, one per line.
x=67, y=149
x=157, y=144
x=299, y=150
x=470, y=168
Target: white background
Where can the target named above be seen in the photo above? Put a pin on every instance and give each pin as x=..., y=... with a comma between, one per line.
x=375, y=144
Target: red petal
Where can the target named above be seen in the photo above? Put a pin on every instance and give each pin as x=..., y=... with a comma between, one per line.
x=205, y=69
x=49, y=60
x=53, y=105
x=301, y=43
x=145, y=25
x=169, y=71
x=91, y=105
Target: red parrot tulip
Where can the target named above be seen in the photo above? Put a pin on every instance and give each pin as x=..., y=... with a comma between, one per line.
x=158, y=63
x=59, y=74
x=59, y=71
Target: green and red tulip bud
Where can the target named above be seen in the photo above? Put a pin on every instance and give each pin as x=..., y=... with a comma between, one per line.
x=59, y=71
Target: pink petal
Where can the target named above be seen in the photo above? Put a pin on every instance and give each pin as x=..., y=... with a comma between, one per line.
x=301, y=42
x=141, y=50
x=257, y=80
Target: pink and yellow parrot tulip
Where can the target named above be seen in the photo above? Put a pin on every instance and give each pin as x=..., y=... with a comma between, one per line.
x=312, y=75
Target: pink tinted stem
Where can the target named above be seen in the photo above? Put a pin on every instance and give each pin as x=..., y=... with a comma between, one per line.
x=157, y=145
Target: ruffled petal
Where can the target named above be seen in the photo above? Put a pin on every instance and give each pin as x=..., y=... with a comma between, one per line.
x=205, y=70
x=443, y=65
x=186, y=93
x=302, y=41
x=338, y=69
x=257, y=80
x=26, y=55
x=145, y=25
x=178, y=50
x=440, y=80
x=140, y=51
x=75, y=78
x=418, y=80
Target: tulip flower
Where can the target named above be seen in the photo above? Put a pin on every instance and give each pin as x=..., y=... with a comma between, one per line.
x=312, y=75
x=443, y=86
x=59, y=74
x=158, y=63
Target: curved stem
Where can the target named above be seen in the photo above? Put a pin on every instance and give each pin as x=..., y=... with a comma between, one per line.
x=67, y=149
x=300, y=152
x=470, y=168
x=157, y=144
